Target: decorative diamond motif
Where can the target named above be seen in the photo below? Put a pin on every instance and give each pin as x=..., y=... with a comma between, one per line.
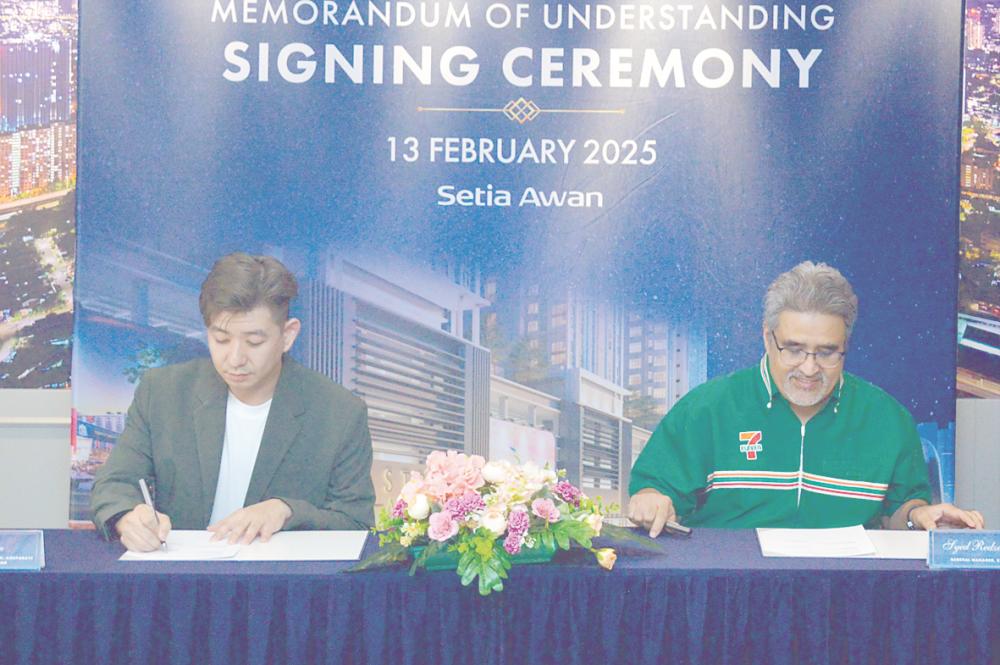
x=521, y=110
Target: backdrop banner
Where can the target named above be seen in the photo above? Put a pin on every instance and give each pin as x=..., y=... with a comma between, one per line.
x=979, y=216
x=559, y=215
x=38, y=44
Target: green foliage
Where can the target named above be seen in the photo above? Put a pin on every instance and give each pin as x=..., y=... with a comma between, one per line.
x=636, y=537
x=644, y=410
x=568, y=531
x=527, y=365
x=387, y=527
x=491, y=569
x=144, y=360
x=387, y=555
x=427, y=552
x=596, y=505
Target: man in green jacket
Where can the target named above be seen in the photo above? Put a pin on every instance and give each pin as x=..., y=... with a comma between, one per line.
x=793, y=441
x=246, y=444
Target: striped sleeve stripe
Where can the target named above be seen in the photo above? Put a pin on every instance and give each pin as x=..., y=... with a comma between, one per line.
x=789, y=480
x=752, y=474
x=764, y=480
x=860, y=484
x=737, y=484
x=867, y=496
x=750, y=479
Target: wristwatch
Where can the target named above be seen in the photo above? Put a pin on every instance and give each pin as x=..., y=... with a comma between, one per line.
x=909, y=521
x=109, y=526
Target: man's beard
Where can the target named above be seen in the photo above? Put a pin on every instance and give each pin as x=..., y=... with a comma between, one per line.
x=801, y=397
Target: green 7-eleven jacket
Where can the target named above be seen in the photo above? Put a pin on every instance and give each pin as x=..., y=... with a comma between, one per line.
x=733, y=454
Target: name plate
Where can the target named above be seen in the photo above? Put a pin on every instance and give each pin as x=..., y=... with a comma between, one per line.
x=964, y=549
x=21, y=550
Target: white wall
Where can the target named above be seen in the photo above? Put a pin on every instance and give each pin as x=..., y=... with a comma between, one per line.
x=34, y=458
x=977, y=457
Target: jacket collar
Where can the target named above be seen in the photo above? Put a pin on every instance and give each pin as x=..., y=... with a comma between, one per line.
x=282, y=428
x=279, y=432
x=773, y=393
x=209, y=427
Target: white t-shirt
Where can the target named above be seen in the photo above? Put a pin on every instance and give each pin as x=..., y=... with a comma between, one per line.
x=241, y=443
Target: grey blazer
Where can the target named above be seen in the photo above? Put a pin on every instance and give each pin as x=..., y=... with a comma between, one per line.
x=315, y=455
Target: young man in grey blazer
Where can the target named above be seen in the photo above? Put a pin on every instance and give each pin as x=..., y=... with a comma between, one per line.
x=246, y=444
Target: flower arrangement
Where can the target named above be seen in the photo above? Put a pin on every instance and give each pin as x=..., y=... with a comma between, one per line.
x=489, y=515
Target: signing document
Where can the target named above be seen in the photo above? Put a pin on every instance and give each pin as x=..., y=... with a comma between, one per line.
x=842, y=542
x=283, y=546
x=850, y=541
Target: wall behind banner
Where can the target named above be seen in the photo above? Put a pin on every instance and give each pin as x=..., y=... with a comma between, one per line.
x=560, y=217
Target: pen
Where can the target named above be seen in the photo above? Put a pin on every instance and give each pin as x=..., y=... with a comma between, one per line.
x=675, y=527
x=149, y=502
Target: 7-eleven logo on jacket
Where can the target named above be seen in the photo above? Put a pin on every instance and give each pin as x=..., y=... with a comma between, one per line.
x=751, y=444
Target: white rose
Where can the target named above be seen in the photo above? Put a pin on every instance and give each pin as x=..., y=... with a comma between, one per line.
x=595, y=522
x=420, y=508
x=494, y=472
x=495, y=522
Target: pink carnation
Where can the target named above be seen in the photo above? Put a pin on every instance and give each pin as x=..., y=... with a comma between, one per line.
x=460, y=507
x=399, y=510
x=545, y=509
x=518, y=522
x=441, y=526
x=513, y=543
x=568, y=493
x=452, y=474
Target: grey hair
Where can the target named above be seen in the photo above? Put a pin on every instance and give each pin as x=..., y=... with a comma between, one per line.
x=811, y=287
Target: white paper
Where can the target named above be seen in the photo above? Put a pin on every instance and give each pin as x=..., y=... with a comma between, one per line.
x=187, y=546
x=895, y=544
x=307, y=546
x=283, y=546
x=849, y=541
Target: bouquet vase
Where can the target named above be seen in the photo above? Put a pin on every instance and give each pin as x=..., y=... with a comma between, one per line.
x=444, y=560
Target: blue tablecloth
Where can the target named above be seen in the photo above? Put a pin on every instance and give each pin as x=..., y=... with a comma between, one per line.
x=710, y=599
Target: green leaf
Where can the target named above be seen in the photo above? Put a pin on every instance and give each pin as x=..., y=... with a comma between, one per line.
x=497, y=566
x=562, y=539
x=489, y=581
x=387, y=556
x=464, y=561
x=503, y=558
x=636, y=537
x=470, y=574
x=421, y=560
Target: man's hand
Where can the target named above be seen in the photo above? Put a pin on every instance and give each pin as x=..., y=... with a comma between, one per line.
x=651, y=510
x=262, y=519
x=945, y=515
x=138, y=530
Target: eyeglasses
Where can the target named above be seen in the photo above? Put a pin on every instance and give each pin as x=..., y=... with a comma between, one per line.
x=826, y=358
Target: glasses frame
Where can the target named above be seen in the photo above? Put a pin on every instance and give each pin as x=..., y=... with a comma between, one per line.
x=805, y=354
